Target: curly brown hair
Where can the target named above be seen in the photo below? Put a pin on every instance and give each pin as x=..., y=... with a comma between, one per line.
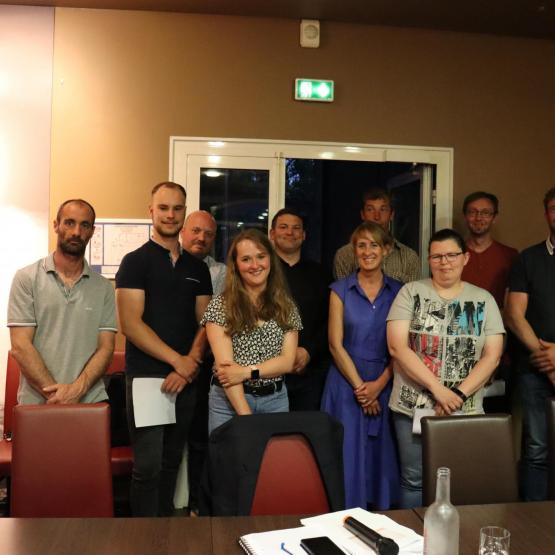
x=275, y=301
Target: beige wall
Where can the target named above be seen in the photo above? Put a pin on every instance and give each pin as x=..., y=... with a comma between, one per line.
x=125, y=81
x=26, y=50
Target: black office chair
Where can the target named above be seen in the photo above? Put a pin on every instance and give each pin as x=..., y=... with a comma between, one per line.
x=478, y=450
x=233, y=483
x=550, y=413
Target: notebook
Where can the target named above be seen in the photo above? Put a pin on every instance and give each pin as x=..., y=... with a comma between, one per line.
x=280, y=542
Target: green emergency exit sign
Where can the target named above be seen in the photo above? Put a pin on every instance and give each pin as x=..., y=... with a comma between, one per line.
x=315, y=90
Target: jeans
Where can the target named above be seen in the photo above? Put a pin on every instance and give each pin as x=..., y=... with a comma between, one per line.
x=410, y=458
x=158, y=452
x=534, y=388
x=220, y=409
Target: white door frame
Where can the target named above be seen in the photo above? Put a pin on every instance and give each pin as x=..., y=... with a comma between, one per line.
x=442, y=157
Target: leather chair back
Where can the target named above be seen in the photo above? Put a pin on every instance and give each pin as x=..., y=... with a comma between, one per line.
x=478, y=450
x=550, y=412
x=299, y=489
x=61, y=461
x=10, y=397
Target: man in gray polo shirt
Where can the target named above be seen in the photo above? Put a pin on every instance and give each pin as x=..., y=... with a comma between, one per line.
x=62, y=319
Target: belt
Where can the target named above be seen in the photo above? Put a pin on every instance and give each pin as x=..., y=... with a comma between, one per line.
x=257, y=390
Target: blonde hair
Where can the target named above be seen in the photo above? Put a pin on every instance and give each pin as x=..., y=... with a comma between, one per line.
x=275, y=301
x=382, y=237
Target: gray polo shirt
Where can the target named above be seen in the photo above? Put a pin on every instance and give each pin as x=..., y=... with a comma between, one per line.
x=67, y=322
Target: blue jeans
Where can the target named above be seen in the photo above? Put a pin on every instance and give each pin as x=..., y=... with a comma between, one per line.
x=410, y=459
x=158, y=452
x=220, y=409
x=534, y=388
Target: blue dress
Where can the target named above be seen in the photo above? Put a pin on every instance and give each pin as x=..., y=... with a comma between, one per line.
x=369, y=451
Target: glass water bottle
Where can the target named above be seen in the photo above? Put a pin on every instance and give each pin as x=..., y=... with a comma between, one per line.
x=441, y=521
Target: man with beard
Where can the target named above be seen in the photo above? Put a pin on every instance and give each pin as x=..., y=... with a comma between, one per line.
x=197, y=237
x=162, y=292
x=490, y=261
x=530, y=314
x=61, y=317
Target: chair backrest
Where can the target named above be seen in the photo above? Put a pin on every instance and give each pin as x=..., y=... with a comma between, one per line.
x=264, y=463
x=289, y=480
x=550, y=412
x=478, y=450
x=12, y=385
x=61, y=461
x=10, y=398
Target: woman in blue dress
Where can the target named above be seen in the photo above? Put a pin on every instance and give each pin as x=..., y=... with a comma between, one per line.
x=358, y=384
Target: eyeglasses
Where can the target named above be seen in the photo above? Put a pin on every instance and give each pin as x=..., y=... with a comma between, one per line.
x=448, y=256
x=485, y=213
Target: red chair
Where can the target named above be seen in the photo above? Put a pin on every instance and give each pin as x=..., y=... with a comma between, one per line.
x=299, y=489
x=61, y=461
x=121, y=457
x=10, y=400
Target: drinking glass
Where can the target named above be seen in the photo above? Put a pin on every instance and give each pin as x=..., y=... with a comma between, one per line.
x=494, y=540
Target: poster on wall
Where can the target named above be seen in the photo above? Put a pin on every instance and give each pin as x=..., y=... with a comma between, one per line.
x=112, y=240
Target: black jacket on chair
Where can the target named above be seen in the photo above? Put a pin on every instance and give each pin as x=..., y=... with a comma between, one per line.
x=236, y=449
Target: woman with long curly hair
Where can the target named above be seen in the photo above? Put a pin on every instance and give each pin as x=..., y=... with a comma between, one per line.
x=252, y=329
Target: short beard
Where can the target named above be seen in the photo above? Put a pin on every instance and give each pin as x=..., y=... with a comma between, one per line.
x=73, y=250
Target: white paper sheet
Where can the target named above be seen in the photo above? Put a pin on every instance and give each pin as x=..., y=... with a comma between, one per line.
x=151, y=407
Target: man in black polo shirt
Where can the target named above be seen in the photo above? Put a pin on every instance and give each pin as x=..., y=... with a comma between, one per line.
x=308, y=283
x=530, y=314
x=162, y=292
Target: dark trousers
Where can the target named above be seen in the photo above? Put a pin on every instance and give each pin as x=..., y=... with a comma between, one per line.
x=198, y=438
x=534, y=389
x=305, y=390
x=158, y=452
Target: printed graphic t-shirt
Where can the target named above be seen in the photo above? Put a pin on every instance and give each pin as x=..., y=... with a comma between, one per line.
x=447, y=335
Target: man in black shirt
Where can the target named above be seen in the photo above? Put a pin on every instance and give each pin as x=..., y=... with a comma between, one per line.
x=161, y=294
x=308, y=284
x=530, y=314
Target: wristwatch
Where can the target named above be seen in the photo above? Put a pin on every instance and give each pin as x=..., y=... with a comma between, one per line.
x=255, y=373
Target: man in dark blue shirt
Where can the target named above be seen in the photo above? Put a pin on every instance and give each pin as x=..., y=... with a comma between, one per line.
x=162, y=292
x=530, y=314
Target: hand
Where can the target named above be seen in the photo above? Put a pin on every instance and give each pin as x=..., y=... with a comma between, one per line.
x=367, y=392
x=544, y=357
x=230, y=373
x=372, y=408
x=302, y=358
x=187, y=367
x=447, y=401
x=63, y=393
x=174, y=383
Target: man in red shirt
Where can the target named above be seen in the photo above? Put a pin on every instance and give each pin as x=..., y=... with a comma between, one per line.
x=489, y=267
x=490, y=261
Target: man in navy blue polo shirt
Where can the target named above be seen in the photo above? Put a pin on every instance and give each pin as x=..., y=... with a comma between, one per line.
x=530, y=314
x=162, y=292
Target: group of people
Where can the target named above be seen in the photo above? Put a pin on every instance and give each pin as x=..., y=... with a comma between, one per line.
x=269, y=332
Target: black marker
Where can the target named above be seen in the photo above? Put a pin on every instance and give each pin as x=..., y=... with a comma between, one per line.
x=381, y=545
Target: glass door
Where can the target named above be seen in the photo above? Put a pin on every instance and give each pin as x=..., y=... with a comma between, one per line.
x=236, y=190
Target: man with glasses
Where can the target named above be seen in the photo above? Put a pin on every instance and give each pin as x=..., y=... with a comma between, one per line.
x=490, y=261
x=401, y=263
x=530, y=314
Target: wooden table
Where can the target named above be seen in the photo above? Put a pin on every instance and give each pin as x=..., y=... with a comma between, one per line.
x=532, y=526
x=105, y=536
